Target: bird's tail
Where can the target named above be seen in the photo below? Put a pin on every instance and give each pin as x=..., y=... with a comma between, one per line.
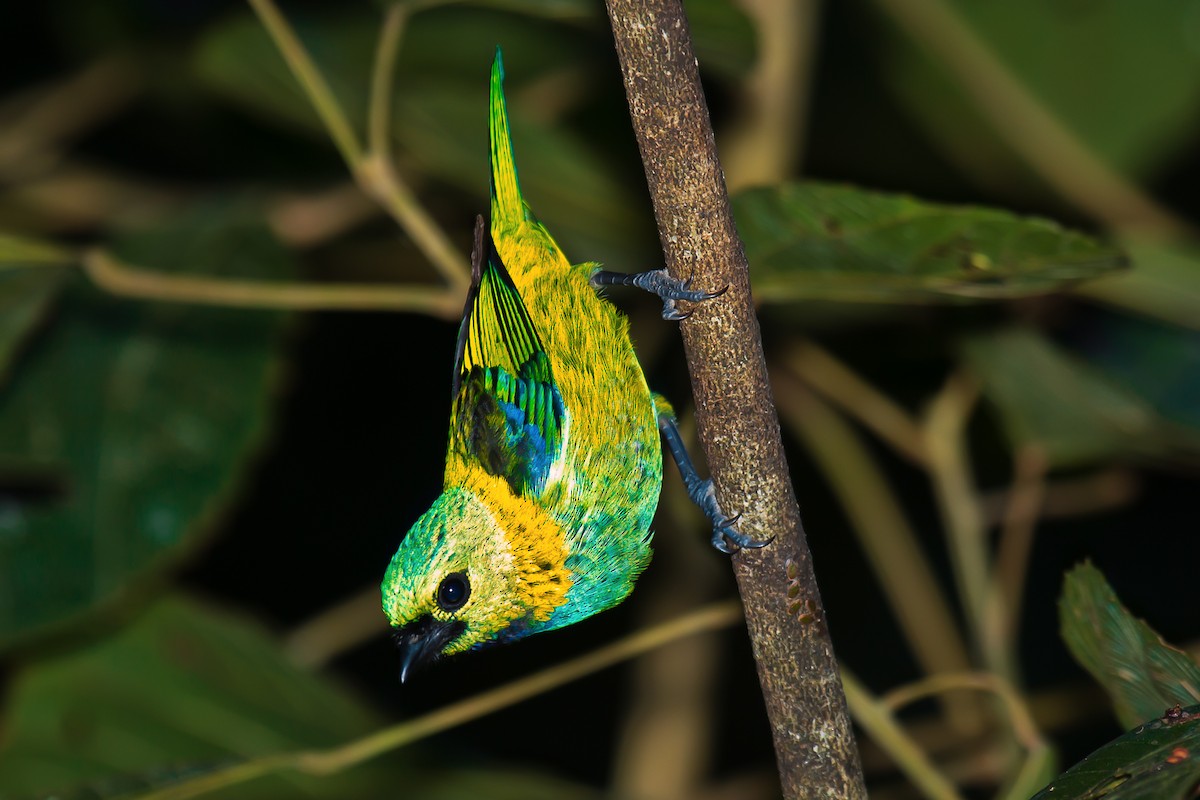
x=508, y=209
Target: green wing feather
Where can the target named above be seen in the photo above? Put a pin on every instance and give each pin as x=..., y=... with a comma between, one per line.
x=509, y=415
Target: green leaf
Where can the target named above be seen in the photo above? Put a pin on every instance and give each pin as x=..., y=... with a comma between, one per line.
x=22, y=251
x=137, y=418
x=181, y=689
x=1143, y=674
x=814, y=241
x=1156, y=761
x=1047, y=398
x=1123, y=77
x=25, y=297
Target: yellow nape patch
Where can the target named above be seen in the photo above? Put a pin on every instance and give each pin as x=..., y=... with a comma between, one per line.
x=536, y=541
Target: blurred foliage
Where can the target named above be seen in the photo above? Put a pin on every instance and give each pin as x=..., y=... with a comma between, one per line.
x=146, y=444
x=1142, y=673
x=134, y=418
x=1091, y=63
x=1093, y=421
x=1153, y=687
x=191, y=686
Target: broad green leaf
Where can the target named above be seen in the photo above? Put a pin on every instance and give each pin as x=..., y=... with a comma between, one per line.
x=1164, y=285
x=25, y=297
x=22, y=251
x=1156, y=761
x=440, y=112
x=1047, y=398
x=143, y=414
x=180, y=690
x=1142, y=673
x=1123, y=77
x=815, y=241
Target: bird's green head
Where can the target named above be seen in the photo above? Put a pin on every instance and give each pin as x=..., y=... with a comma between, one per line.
x=480, y=566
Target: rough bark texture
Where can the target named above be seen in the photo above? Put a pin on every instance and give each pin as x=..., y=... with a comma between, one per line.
x=736, y=416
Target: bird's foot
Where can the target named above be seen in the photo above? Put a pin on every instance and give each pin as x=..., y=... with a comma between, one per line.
x=661, y=283
x=726, y=537
x=671, y=290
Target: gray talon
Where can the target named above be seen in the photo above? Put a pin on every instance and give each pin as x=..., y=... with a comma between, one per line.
x=660, y=283
x=718, y=541
x=671, y=312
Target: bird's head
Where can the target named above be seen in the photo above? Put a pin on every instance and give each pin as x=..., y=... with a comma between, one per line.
x=477, y=568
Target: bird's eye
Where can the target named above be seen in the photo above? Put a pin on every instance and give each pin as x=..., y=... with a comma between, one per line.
x=453, y=591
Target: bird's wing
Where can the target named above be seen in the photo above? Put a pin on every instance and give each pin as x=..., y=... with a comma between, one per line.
x=508, y=413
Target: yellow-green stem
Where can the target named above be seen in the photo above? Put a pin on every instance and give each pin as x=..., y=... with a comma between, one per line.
x=885, y=536
x=1024, y=729
x=1007, y=585
x=372, y=169
x=326, y=762
x=876, y=718
x=944, y=432
x=311, y=80
x=379, y=114
x=834, y=379
x=120, y=279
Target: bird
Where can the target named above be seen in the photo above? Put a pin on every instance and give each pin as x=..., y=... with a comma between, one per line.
x=555, y=461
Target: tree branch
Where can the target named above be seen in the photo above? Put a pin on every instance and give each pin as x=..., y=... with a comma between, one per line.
x=735, y=414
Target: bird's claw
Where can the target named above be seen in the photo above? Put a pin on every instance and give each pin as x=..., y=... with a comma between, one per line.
x=726, y=537
x=671, y=312
x=671, y=289
x=723, y=536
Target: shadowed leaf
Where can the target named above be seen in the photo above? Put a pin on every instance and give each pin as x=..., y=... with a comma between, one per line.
x=813, y=241
x=181, y=689
x=142, y=413
x=1156, y=761
x=1159, y=363
x=1143, y=674
x=25, y=297
x=1046, y=397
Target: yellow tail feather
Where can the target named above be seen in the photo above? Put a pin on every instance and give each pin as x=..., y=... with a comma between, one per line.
x=507, y=206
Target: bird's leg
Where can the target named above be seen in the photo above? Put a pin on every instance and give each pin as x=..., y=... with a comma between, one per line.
x=702, y=493
x=659, y=282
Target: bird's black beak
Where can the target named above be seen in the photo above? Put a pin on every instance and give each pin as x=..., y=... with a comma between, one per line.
x=422, y=640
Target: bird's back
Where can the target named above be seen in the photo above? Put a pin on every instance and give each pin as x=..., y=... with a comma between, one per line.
x=604, y=489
